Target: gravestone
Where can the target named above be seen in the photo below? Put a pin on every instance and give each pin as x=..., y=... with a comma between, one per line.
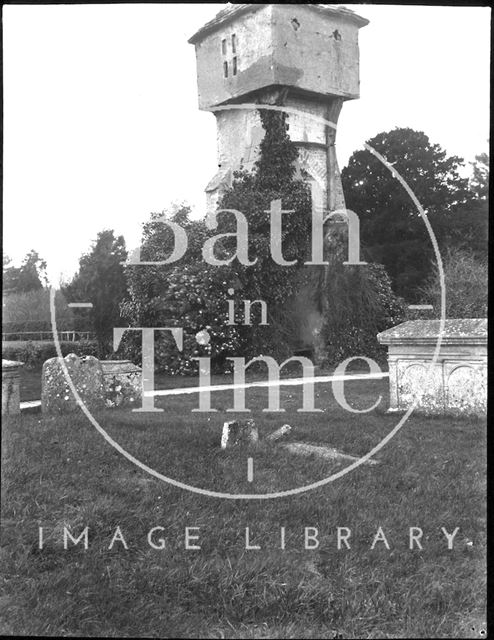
x=86, y=375
x=239, y=433
x=279, y=433
x=11, y=399
x=123, y=383
x=455, y=384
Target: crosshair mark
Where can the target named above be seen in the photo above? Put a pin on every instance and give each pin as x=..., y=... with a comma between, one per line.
x=250, y=470
x=80, y=305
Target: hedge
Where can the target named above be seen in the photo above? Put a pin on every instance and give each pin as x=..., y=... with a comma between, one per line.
x=34, y=353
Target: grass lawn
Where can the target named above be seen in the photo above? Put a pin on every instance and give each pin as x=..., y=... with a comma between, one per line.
x=59, y=471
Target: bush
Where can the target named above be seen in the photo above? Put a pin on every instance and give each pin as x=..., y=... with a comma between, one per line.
x=194, y=298
x=465, y=279
x=34, y=353
x=366, y=305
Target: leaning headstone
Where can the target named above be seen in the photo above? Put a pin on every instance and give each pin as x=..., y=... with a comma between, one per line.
x=237, y=433
x=86, y=375
x=279, y=433
x=11, y=398
x=123, y=383
x=455, y=384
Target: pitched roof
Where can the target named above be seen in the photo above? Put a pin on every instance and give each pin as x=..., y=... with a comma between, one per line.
x=234, y=10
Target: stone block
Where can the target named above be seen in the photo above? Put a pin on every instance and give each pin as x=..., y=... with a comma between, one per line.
x=86, y=375
x=123, y=383
x=239, y=434
x=279, y=433
x=11, y=399
x=312, y=48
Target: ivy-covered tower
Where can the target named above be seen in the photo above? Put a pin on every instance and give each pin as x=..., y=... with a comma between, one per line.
x=303, y=56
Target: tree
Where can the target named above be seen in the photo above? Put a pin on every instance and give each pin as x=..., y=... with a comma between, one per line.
x=479, y=182
x=392, y=231
x=9, y=274
x=30, y=276
x=194, y=294
x=466, y=229
x=101, y=281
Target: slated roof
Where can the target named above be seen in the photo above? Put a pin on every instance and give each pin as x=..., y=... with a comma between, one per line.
x=455, y=330
x=234, y=10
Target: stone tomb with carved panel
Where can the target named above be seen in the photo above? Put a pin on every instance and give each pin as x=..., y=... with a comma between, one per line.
x=457, y=381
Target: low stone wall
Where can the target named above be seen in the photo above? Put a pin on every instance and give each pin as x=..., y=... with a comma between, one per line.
x=11, y=396
x=456, y=383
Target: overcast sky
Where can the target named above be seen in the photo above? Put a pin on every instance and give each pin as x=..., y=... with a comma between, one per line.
x=101, y=124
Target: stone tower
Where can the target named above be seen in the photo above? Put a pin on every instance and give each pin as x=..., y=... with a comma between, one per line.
x=305, y=57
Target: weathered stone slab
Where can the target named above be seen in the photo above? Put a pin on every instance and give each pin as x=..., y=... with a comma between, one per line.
x=31, y=406
x=86, y=375
x=327, y=453
x=11, y=398
x=455, y=384
x=123, y=383
x=239, y=434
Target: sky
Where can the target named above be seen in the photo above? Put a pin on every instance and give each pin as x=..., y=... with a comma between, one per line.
x=102, y=126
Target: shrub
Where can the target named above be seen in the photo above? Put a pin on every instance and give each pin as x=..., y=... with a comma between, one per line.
x=366, y=305
x=465, y=279
x=194, y=298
